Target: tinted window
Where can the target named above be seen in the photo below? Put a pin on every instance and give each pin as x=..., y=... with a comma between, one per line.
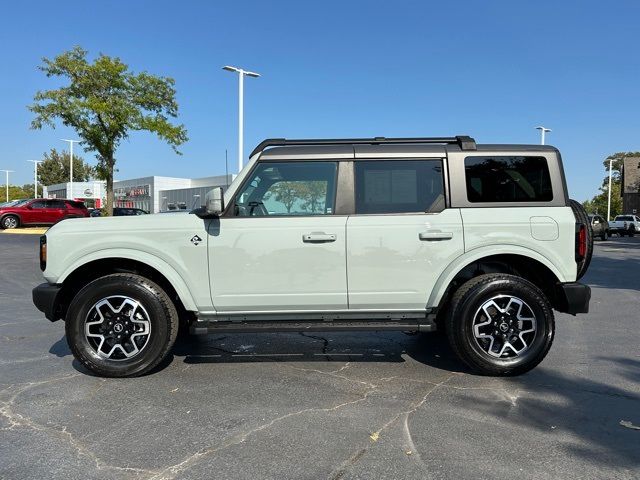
x=399, y=186
x=292, y=188
x=76, y=204
x=624, y=218
x=56, y=204
x=38, y=205
x=508, y=179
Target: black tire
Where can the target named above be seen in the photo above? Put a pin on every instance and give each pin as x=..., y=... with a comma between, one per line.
x=632, y=231
x=581, y=217
x=10, y=221
x=605, y=235
x=155, y=304
x=465, y=306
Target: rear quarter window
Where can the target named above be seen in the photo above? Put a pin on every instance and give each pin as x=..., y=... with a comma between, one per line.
x=502, y=179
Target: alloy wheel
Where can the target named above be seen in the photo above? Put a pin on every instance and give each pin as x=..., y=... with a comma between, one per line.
x=504, y=326
x=117, y=328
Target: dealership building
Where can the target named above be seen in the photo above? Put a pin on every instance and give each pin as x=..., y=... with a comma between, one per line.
x=153, y=194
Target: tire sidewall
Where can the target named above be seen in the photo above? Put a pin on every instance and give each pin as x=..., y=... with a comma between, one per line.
x=103, y=288
x=544, y=325
x=5, y=226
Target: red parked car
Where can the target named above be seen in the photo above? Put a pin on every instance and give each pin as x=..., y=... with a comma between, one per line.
x=41, y=211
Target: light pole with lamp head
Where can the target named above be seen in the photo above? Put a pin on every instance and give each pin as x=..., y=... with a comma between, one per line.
x=71, y=142
x=543, y=130
x=7, y=172
x=241, y=74
x=35, y=176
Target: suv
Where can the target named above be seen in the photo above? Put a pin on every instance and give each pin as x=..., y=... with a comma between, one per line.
x=599, y=226
x=424, y=234
x=40, y=211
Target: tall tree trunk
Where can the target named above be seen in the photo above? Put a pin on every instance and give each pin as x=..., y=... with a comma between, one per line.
x=109, y=204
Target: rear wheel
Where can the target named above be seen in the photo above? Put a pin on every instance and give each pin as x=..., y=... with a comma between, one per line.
x=121, y=325
x=500, y=324
x=632, y=230
x=581, y=217
x=10, y=221
x=605, y=235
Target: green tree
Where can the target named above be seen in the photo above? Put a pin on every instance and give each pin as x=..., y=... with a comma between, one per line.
x=104, y=101
x=288, y=193
x=314, y=195
x=599, y=203
x=55, y=168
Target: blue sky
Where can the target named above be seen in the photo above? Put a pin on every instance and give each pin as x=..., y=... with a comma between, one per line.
x=491, y=69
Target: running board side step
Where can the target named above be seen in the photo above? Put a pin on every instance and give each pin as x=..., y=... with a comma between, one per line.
x=256, y=326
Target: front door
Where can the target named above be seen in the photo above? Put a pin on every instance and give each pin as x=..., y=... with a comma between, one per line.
x=402, y=236
x=280, y=246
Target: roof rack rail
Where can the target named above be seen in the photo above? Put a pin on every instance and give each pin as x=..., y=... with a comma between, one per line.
x=463, y=141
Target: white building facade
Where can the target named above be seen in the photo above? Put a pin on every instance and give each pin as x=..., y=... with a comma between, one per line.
x=152, y=194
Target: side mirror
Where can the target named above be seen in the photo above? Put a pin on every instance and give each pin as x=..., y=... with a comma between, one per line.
x=214, y=201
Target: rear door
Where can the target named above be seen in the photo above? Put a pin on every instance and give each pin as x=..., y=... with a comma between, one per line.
x=402, y=235
x=56, y=210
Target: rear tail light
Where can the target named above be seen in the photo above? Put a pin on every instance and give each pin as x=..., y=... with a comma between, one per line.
x=581, y=241
x=43, y=253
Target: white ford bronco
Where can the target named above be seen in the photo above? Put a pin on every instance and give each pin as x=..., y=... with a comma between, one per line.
x=411, y=234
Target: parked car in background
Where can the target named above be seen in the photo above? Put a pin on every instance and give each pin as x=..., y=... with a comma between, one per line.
x=625, y=225
x=40, y=211
x=120, y=212
x=599, y=226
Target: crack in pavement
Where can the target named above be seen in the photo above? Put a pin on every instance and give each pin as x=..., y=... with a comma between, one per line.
x=170, y=472
x=355, y=457
x=17, y=420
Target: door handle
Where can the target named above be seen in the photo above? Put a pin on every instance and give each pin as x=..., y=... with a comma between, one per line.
x=319, y=237
x=435, y=236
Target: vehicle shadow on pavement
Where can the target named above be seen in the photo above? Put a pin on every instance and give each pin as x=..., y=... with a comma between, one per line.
x=430, y=349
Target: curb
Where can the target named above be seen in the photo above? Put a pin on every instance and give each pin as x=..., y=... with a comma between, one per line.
x=25, y=231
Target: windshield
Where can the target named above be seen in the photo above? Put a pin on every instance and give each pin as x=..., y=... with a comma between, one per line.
x=13, y=203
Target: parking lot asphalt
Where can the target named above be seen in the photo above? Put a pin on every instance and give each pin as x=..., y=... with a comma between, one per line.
x=336, y=405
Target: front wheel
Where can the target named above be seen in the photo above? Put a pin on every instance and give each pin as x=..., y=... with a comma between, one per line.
x=121, y=325
x=10, y=221
x=500, y=324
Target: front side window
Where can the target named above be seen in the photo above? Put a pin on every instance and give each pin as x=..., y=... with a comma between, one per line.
x=38, y=205
x=399, y=186
x=291, y=188
x=507, y=179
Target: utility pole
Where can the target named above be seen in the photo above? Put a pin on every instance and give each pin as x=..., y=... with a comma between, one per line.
x=7, y=172
x=71, y=142
x=241, y=74
x=609, y=201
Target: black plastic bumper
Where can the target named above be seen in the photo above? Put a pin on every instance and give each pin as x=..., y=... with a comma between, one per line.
x=572, y=298
x=44, y=298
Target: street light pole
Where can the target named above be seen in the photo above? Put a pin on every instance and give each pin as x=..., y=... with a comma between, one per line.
x=543, y=130
x=35, y=176
x=7, y=172
x=241, y=74
x=609, y=200
x=71, y=142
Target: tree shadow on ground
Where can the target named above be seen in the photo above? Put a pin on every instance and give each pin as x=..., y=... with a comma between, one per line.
x=552, y=403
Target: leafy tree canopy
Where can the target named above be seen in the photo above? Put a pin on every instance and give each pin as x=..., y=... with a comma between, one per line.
x=55, y=168
x=104, y=101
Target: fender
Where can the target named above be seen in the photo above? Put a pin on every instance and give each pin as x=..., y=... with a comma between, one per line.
x=153, y=261
x=478, y=253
